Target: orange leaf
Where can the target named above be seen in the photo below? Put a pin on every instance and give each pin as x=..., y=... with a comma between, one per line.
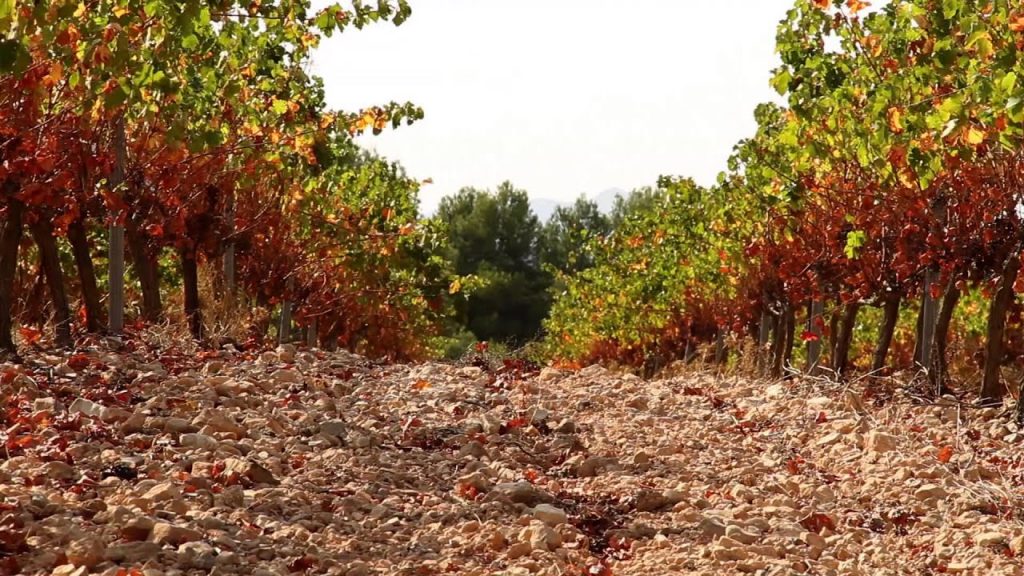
x=421, y=385
x=945, y=454
x=31, y=336
x=816, y=522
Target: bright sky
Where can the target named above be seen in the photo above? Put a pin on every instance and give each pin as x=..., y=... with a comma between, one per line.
x=562, y=97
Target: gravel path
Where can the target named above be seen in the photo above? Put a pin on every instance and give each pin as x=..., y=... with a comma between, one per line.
x=297, y=462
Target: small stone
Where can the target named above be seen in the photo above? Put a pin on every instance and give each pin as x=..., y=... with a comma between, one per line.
x=520, y=493
x=566, y=426
x=518, y=550
x=990, y=539
x=164, y=533
x=45, y=404
x=250, y=470
x=135, y=423
x=69, y=570
x=58, y=470
x=814, y=540
x=113, y=415
x=201, y=441
x=674, y=497
x=178, y=426
x=723, y=554
x=219, y=423
x=638, y=403
x=880, y=442
x=131, y=552
x=594, y=465
x=829, y=439
x=930, y=492
x=137, y=529
x=550, y=374
x=336, y=428
x=286, y=353
x=198, y=555
x=742, y=493
x=825, y=495
x=712, y=526
x=1017, y=545
x=85, y=407
x=163, y=491
x=550, y=515
x=650, y=501
x=358, y=568
x=287, y=376
x=542, y=537
x=86, y=552
x=740, y=535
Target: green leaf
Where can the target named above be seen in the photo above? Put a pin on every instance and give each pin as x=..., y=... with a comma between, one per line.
x=279, y=106
x=6, y=12
x=781, y=81
x=1009, y=82
x=854, y=242
x=116, y=97
x=9, y=52
x=152, y=8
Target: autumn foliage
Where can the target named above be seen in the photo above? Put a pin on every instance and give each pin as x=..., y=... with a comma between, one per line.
x=890, y=180
x=193, y=129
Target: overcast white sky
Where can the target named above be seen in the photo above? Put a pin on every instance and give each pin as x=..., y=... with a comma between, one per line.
x=562, y=97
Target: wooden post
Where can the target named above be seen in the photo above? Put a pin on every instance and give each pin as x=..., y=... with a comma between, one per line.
x=311, y=333
x=763, y=337
x=721, y=352
x=284, y=330
x=229, y=251
x=929, y=315
x=285, y=327
x=115, y=258
x=814, y=345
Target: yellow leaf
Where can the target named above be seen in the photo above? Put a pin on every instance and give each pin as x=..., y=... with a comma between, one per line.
x=455, y=287
x=55, y=75
x=975, y=136
x=895, y=120
x=120, y=11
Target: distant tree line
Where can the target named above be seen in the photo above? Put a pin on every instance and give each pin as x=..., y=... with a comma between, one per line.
x=497, y=237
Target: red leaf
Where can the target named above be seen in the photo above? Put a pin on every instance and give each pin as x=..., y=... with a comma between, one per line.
x=810, y=336
x=816, y=522
x=793, y=466
x=945, y=454
x=79, y=362
x=29, y=335
x=821, y=419
x=515, y=423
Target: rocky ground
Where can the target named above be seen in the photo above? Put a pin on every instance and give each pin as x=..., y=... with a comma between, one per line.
x=303, y=462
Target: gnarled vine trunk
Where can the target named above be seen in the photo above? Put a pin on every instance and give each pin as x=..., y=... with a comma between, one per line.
x=938, y=373
x=840, y=362
x=147, y=270
x=890, y=315
x=190, y=282
x=49, y=261
x=992, y=389
x=79, y=241
x=10, y=239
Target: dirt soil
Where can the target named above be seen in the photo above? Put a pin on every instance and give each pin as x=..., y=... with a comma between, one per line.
x=289, y=462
